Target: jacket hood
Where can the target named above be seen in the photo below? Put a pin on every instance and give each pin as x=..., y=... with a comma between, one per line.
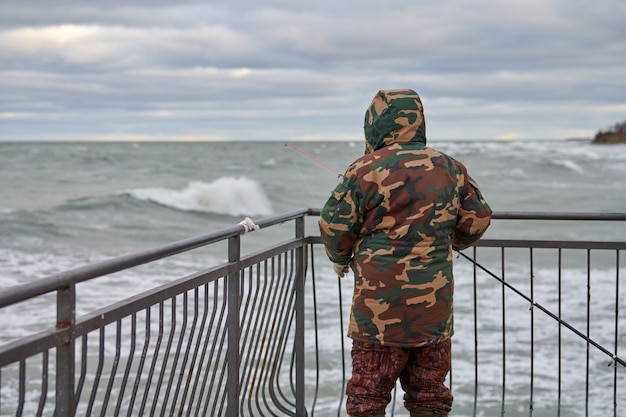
x=394, y=116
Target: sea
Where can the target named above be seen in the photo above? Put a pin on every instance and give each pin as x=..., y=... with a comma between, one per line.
x=64, y=205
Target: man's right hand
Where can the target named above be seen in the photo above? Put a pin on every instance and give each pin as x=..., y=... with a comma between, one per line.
x=341, y=270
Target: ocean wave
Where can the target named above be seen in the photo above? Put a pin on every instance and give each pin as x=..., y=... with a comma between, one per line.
x=227, y=195
x=532, y=149
x=570, y=165
x=269, y=163
x=19, y=266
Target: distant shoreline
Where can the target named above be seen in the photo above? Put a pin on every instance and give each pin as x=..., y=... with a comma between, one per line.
x=610, y=138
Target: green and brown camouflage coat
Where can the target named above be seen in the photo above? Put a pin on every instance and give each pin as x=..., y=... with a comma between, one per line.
x=397, y=215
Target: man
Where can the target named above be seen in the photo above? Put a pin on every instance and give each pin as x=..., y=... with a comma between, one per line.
x=395, y=218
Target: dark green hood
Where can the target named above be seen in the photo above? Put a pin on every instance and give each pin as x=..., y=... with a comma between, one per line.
x=394, y=116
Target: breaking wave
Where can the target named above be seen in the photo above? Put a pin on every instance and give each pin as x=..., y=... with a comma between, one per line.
x=227, y=195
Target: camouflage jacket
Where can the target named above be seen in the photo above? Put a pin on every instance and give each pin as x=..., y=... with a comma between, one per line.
x=396, y=215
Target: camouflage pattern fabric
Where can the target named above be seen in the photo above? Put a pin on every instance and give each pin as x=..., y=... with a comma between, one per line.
x=396, y=216
x=422, y=372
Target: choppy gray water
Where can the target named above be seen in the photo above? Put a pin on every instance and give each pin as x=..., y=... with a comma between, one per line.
x=66, y=205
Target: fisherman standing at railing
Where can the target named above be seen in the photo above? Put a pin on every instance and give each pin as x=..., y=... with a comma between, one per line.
x=395, y=218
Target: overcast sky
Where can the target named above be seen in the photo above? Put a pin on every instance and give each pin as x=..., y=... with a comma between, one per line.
x=290, y=70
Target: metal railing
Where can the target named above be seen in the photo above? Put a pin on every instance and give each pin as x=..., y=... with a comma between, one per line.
x=554, y=322
x=251, y=336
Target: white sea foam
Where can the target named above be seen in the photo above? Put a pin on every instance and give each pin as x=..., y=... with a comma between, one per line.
x=226, y=195
x=569, y=164
x=269, y=163
x=518, y=173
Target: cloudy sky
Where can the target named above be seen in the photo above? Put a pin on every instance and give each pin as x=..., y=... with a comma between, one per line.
x=290, y=70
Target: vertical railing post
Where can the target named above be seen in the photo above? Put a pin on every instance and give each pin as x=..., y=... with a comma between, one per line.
x=66, y=319
x=232, y=353
x=299, y=333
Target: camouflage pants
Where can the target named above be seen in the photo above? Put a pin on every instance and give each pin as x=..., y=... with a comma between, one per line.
x=421, y=370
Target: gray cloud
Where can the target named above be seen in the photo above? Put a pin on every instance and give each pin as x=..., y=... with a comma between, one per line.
x=283, y=70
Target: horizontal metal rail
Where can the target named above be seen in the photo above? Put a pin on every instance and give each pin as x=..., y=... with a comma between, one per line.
x=55, y=282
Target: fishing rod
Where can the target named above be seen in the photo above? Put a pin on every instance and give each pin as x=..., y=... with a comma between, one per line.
x=314, y=159
x=614, y=357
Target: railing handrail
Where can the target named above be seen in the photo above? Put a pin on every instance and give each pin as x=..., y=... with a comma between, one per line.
x=557, y=215
x=15, y=294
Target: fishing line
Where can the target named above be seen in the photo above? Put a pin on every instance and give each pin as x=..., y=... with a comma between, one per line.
x=315, y=321
x=343, y=357
x=304, y=180
x=614, y=358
